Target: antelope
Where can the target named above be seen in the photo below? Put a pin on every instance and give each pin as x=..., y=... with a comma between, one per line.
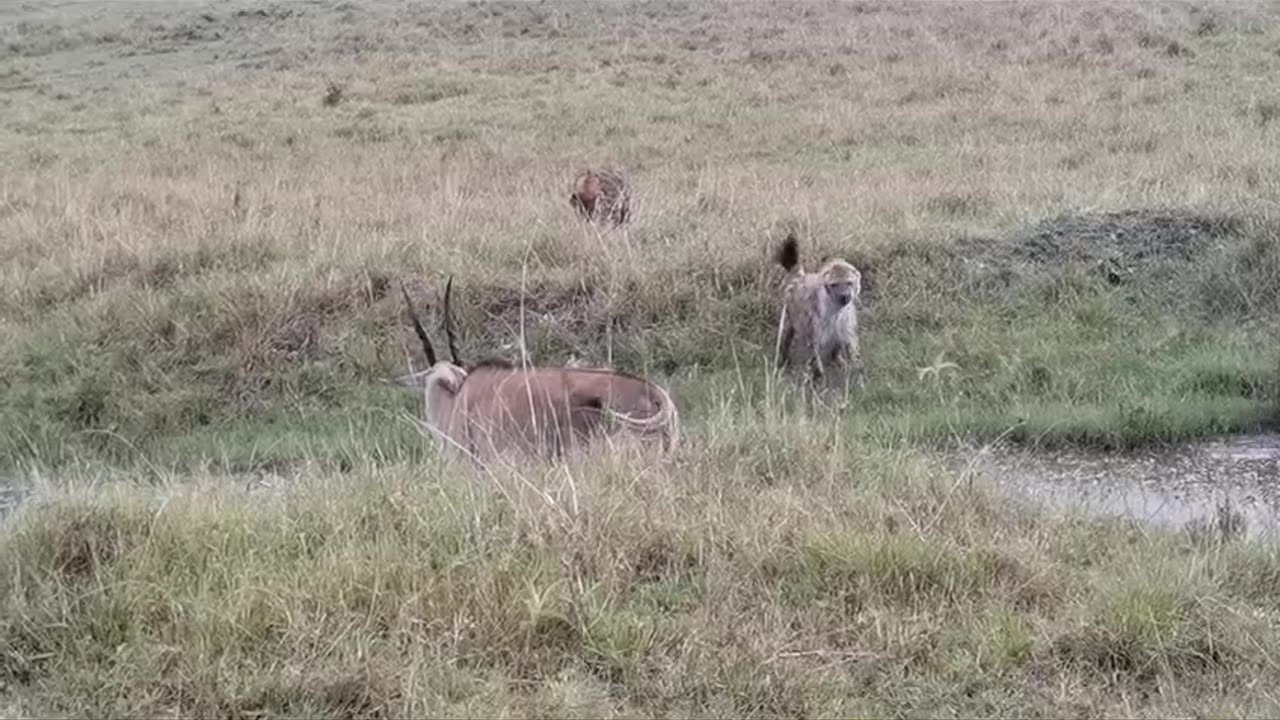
x=493, y=407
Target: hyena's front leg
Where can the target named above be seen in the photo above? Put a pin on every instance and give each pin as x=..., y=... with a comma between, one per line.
x=852, y=350
x=833, y=382
x=856, y=367
x=841, y=366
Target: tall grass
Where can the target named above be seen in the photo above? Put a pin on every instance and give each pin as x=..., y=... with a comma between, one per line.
x=1065, y=217
x=772, y=569
x=211, y=250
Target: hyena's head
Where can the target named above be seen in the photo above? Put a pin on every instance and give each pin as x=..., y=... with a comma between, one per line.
x=841, y=282
x=586, y=192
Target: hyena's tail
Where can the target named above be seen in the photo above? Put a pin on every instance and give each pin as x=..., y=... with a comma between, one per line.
x=788, y=253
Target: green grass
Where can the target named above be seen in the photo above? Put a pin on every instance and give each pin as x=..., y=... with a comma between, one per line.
x=1059, y=354
x=1065, y=219
x=851, y=582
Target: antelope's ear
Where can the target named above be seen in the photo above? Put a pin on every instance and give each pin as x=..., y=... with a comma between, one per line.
x=453, y=381
x=413, y=380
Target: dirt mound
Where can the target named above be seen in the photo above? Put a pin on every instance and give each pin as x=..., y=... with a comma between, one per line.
x=1120, y=246
x=1126, y=236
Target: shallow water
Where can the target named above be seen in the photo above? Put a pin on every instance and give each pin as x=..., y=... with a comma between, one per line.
x=1230, y=485
x=14, y=493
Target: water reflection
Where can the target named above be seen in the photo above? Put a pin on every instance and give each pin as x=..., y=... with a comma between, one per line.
x=1231, y=484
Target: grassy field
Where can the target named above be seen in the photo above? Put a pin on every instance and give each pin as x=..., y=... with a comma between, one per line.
x=1067, y=216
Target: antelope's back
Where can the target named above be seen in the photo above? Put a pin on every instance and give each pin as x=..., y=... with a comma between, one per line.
x=528, y=408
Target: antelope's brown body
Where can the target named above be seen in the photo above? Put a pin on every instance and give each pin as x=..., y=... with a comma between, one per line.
x=494, y=407
x=551, y=411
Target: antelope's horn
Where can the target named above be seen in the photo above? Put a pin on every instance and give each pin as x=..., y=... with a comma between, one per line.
x=417, y=327
x=448, y=323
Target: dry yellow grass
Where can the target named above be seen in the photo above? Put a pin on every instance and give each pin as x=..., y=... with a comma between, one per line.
x=460, y=127
x=204, y=205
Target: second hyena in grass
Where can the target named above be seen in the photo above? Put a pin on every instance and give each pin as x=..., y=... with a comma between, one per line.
x=818, y=327
x=602, y=196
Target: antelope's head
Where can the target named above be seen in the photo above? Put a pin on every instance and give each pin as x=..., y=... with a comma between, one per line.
x=441, y=376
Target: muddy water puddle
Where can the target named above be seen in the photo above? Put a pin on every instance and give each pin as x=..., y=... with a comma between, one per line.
x=16, y=492
x=1230, y=485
